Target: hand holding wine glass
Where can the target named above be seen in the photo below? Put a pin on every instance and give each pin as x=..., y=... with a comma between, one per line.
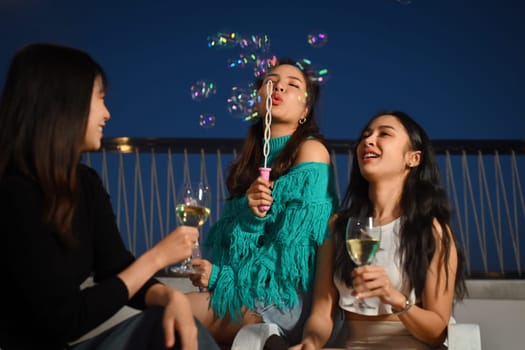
x=177, y=245
x=362, y=243
x=193, y=209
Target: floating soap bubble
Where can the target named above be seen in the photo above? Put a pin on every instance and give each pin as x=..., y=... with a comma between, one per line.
x=251, y=114
x=317, y=40
x=253, y=117
x=207, y=121
x=243, y=61
x=222, y=40
x=304, y=64
x=262, y=65
x=202, y=90
x=320, y=75
x=241, y=102
x=313, y=71
x=254, y=42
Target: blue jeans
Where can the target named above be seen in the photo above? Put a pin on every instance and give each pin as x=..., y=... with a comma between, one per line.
x=142, y=332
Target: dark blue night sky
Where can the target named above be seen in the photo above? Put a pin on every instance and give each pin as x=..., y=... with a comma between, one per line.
x=456, y=66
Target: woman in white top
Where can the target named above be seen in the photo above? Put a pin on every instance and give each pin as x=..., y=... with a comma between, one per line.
x=418, y=270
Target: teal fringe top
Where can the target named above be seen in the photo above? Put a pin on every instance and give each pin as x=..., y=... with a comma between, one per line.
x=272, y=258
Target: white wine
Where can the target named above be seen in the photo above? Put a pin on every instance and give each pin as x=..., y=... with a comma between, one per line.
x=192, y=215
x=362, y=251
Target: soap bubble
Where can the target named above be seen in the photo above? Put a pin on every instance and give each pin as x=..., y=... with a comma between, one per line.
x=254, y=42
x=317, y=39
x=207, y=120
x=202, y=89
x=241, y=102
x=222, y=40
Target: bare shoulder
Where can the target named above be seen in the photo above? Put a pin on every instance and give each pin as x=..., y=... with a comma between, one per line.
x=313, y=150
x=438, y=232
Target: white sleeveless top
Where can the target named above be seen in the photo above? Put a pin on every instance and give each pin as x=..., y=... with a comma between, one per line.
x=387, y=256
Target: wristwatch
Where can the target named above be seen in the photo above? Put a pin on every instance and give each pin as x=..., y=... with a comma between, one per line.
x=408, y=305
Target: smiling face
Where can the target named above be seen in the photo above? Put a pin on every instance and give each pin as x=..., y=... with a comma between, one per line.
x=384, y=150
x=98, y=115
x=289, y=94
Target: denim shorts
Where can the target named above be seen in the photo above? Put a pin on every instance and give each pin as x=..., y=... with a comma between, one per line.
x=291, y=321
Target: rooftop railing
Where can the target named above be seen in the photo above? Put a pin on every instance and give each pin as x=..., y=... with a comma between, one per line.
x=483, y=179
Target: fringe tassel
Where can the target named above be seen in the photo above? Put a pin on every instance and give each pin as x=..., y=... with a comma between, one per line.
x=292, y=231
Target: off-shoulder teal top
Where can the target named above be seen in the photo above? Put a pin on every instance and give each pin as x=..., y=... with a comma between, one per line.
x=271, y=259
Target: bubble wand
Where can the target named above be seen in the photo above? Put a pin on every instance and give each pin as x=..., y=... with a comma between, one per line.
x=265, y=171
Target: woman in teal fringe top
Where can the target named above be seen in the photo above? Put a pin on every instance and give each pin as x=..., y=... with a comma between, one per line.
x=263, y=262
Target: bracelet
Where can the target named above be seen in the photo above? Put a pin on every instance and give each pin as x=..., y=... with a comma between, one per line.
x=408, y=305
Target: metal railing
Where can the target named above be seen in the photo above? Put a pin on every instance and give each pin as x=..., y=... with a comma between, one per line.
x=483, y=179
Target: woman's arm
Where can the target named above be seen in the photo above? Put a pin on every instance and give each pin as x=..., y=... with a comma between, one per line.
x=136, y=276
x=173, y=248
x=429, y=322
x=319, y=325
x=111, y=257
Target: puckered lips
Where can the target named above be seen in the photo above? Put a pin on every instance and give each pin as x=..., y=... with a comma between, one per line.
x=277, y=99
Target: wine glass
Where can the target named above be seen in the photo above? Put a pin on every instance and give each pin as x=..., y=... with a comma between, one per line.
x=362, y=243
x=193, y=209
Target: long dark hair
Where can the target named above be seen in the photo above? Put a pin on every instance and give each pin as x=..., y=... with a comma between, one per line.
x=44, y=110
x=244, y=170
x=422, y=201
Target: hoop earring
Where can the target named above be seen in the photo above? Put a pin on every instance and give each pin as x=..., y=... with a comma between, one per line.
x=302, y=120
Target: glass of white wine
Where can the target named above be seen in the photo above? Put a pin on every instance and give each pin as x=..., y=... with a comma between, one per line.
x=193, y=209
x=362, y=243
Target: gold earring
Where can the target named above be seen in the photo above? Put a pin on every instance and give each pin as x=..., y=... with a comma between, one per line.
x=302, y=120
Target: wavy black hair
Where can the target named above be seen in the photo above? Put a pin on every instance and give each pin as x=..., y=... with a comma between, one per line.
x=245, y=169
x=422, y=201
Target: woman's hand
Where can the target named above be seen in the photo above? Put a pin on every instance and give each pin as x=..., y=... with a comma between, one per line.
x=259, y=194
x=176, y=246
x=202, y=278
x=372, y=281
x=178, y=317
